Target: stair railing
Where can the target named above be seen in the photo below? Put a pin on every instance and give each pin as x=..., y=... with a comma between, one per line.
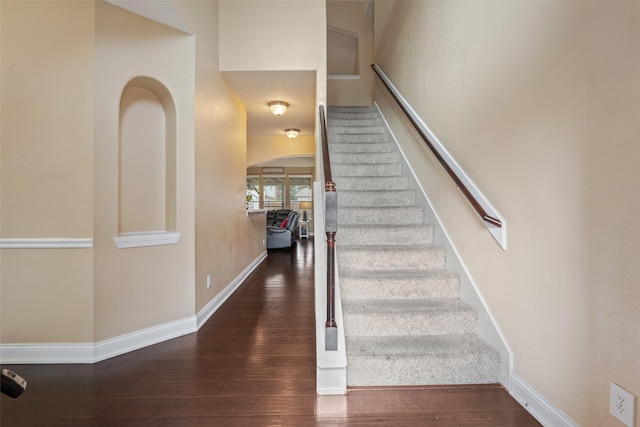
x=492, y=220
x=331, y=228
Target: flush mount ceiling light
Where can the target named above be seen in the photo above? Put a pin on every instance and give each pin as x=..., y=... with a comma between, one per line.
x=292, y=133
x=278, y=107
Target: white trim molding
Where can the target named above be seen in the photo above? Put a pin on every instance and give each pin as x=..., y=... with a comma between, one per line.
x=213, y=305
x=155, y=238
x=95, y=352
x=46, y=243
x=537, y=405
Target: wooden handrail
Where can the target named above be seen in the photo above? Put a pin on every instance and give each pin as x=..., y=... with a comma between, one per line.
x=410, y=116
x=331, y=228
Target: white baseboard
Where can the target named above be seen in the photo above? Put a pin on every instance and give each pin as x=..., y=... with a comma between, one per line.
x=46, y=353
x=96, y=352
x=213, y=305
x=143, y=338
x=542, y=410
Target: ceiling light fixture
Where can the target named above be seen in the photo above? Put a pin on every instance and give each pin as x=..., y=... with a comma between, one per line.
x=278, y=107
x=292, y=133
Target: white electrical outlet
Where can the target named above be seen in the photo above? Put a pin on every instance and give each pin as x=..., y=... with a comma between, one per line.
x=622, y=405
x=208, y=281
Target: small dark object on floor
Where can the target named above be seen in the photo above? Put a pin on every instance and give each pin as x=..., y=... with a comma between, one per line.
x=12, y=384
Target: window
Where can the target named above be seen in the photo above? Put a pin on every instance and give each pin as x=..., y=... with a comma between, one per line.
x=301, y=195
x=253, y=192
x=273, y=192
x=281, y=192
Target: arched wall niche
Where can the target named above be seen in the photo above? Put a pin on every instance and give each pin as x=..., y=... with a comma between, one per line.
x=147, y=164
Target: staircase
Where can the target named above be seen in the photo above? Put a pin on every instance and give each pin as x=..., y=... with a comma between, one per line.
x=404, y=322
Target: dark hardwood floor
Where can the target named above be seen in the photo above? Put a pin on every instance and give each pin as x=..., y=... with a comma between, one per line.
x=252, y=364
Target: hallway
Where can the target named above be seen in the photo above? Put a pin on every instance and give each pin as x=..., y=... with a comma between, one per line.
x=252, y=364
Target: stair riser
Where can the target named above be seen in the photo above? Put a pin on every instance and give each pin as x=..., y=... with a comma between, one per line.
x=422, y=235
x=363, y=138
x=379, y=198
x=364, y=159
x=351, y=109
x=374, y=216
x=408, y=324
x=401, y=288
x=385, y=169
x=351, y=116
x=459, y=369
x=348, y=130
x=355, y=122
x=357, y=147
x=372, y=183
x=390, y=259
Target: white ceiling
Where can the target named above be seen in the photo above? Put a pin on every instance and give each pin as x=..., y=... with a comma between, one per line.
x=257, y=88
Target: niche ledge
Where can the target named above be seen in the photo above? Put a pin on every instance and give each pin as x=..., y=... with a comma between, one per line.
x=154, y=238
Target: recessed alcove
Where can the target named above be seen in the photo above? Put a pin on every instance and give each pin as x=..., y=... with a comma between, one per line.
x=147, y=165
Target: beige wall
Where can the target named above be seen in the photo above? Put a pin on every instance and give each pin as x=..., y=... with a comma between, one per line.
x=46, y=155
x=248, y=40
x=262, y=149
x=227, y=241
x=64, y=67
x=351, y=16
x=538, y=102
x=137, y=288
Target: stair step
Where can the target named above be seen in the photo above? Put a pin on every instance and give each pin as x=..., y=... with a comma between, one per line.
x=363, y=158
x=352, y=109
x=407, y=317
x=362, y=235
x=352, y=115
x=425, y=360
x=391, y=215
x=346, y=130
x=376, y=198
x=355, y=169
x=372, y=182
x=362, y=147
x=409, y=257
x=355, y=122
x=400, y=284
x=354, y=137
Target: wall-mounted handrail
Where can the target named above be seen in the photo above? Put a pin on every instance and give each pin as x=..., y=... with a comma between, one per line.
x=331, y=228
x=415, y=122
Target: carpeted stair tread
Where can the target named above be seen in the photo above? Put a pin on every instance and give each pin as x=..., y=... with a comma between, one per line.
x=390, y=215
x=405, y=307
x=398, y=284
x=362, y=147
x=372, y=182
x=417, y=360
x=357, y=169
x=433, y=316
x=376, y=198
x=376, y=258
x=375, y=234
x=363, y=158
x=399, y=346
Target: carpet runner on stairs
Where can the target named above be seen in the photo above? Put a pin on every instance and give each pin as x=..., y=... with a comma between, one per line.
x=404, y=322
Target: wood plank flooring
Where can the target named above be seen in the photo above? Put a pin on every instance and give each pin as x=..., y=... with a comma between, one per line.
x=252, y=364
